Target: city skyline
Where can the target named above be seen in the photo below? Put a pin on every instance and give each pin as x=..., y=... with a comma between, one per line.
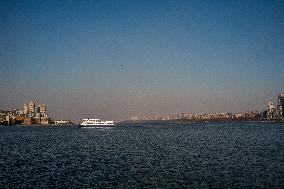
x=115, y=59
x=32, y=113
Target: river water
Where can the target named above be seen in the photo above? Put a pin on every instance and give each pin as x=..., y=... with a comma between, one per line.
x=159, y=155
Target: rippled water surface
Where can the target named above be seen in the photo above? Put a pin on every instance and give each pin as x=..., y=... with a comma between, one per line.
x=210, y=155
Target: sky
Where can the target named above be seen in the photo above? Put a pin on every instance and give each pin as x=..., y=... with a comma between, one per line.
x=113, y=59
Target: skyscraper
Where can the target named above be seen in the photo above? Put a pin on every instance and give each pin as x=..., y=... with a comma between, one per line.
x=270, y=110
x=42, y=109
x=37, y=109
x=31, y=106
x=25, y=109
x=280, y=106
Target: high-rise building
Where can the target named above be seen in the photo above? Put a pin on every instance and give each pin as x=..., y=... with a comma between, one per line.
x=42, y=109
x=25, y=109
x=37, y=109
x=32, y=107
x=270, y=110
x=280, y=106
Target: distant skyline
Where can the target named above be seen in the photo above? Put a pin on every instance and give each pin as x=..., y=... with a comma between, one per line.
x=116, y=59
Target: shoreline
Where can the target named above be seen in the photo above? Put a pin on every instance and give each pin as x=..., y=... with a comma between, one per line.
x=40, y=125
x=151, y=122
x=201, y=121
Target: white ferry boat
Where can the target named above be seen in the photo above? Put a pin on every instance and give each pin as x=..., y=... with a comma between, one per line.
x=93, y=123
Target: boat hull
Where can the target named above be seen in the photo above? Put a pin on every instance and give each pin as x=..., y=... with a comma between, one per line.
x=97, y=126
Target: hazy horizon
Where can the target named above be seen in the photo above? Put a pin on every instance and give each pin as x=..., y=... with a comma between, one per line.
x=117, y=59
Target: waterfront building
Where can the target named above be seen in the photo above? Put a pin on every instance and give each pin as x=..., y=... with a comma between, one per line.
x=42, y=109
x=25, y=109
x=271, y=111
x=37, y=109
x=19, y=119
x=134, y=118
x=2, y=120
x=29, y=114
x=29, y=120
x=280, y=106
x=45, y=120
x=32, y=107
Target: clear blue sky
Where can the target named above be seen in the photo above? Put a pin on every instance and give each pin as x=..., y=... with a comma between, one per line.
x=114, y=59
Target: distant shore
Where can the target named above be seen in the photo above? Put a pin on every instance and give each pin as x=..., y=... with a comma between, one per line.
x=154, y=121
x=202, y=121
x=42, y=125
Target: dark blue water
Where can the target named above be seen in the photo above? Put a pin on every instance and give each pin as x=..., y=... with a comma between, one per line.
x=212, y=155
